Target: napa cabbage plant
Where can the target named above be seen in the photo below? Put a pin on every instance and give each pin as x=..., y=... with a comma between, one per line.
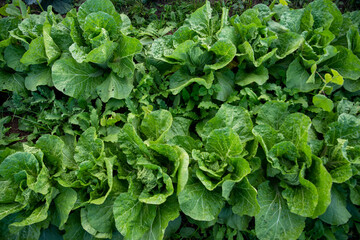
x=30, y=196
x=219, y=167
x=156, y=172
x=300, y=183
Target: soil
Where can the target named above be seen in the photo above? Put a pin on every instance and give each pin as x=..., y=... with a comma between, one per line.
x=2, y=3
x=14, y=128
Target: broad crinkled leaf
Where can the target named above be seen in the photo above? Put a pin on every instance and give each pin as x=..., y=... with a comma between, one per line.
x=260, y=75
x=39, y=75
x=36, y=53
x=225, y=52
x=115, y=87
x=156, y=124
x=18, y=162
x=243, y=199
x=287, y=43
x=76, y=79
x=275, y=221
x=13, y=82
x=225, y=143
x=52, y=147
x=122, y=62
x=98, y=219
x=236, y=118
x=200, y=20
x=164, y=214
x=94, y=6
x=326, y=15
x=181, y=79
x=346, y=63
x=102, y=53
x=303, y=198
x=336, y=213
x=319, y=176
x=96, y=21
x=297, y=78
x=272, y=113
x=199, y=203
x=133, y=218
x=64, y=203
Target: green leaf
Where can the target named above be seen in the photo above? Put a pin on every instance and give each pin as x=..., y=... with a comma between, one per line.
x=226, y=82
x=345, y=63
x=236, y=118
x=156, y=124
x=102, y=53
x=52, y=147
x=200, y=20
x=199, y=203
x=164, y=214
x=337, y=78
x=64, y=203
x=94, y=6
x=98, y=219
x=326, y=15
x=95, y=22
x=323, y=102
x=17, y=163
x=115, y=87
x=12, y=56
x=225, y=143
x=297, y=77
x=75, y=79
x=39, y=75
x=303, y=198
x=287, y=43
x=295, y=129
x=275, y=221
x=133, y=218
x=319, y=176
x=13, y=82
x=225, y=52
x=9, y=208
x=338, y=164
x=181, y=79
x=36, y=53
x=52, y=51
x=347, y=127
x=39, y=214
x=123, y=63
x=243, y=199
x=336, y=213
x=272, y=113
x=260, y=75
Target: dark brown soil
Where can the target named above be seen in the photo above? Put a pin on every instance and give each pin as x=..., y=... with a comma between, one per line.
x=2, y=3
x=14, y=128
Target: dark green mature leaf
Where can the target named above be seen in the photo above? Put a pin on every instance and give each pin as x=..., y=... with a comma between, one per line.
x=115, y=87
x=236, y=118
x=297, y=77
x=199, y=203
x=346, y=63
x=156, y=124
x=132, y=217
x=243, y=199
x=76, y=79
x=275, y=221
x=93, y=6
x=336, y=213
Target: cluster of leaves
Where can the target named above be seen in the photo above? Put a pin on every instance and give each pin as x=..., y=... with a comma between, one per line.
x=242, y=127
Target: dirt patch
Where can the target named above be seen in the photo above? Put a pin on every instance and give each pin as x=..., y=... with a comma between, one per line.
x=14, y=129
x=2, y=2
